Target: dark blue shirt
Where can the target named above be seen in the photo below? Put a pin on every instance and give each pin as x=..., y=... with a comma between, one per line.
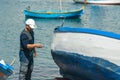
x=26, y=37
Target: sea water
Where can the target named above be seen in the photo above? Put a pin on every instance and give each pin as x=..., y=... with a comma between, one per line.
x=101, y=17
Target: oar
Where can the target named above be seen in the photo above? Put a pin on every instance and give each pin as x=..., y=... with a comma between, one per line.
x=13, y=61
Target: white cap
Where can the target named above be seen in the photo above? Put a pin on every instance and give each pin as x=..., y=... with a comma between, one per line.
x=31, y=23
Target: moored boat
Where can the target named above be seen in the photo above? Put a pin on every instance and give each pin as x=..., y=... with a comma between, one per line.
x=86, y=54
x=53, y=13
x=6, y=70
x=102, y=2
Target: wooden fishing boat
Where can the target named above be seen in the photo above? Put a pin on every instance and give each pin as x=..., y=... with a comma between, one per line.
x=102, y=2
x=86, y=54
x=53, y=13
x=6, y=70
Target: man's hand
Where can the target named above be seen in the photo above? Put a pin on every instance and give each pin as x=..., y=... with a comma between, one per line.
x=35, y=54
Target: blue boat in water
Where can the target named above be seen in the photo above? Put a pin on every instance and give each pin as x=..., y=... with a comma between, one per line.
x=6, y=70
x=54, y=13
x=86, y=54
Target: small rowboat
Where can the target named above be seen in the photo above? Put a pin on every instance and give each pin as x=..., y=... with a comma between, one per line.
x=101, y=2
x=54, y=13
x=86, y=54
x=6, y=70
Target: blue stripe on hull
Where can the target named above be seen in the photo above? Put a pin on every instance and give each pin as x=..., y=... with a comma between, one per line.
x=75, y=66
x=87, y=30
x=6, y=69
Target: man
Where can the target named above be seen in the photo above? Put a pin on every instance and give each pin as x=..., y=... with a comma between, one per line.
x=27, y=50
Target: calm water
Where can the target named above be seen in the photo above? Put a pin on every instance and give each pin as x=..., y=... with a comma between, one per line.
x=100, y=17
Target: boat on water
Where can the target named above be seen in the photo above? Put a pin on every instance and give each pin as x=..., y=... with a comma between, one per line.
x=6, y=70
x=86, y=54
x=60, y=13
x=102, y=2
x=54, y=13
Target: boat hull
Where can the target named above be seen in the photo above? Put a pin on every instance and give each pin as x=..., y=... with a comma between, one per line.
x=84, y=67
x=5, y=71
x=54, y=14
x=102, y=2
x=86, y=54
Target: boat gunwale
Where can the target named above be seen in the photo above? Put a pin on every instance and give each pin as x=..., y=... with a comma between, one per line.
x=89, y=31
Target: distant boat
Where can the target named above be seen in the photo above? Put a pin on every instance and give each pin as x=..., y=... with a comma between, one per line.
x=54, y=13
x=86, y=54
x=102, y=2
x=6, y=70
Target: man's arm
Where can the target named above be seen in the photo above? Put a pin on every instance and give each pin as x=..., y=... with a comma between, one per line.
x=26, y=44
x=31, y=46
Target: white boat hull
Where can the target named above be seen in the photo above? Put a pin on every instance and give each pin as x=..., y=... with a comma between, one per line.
x=85, y=50
x=106, y=2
